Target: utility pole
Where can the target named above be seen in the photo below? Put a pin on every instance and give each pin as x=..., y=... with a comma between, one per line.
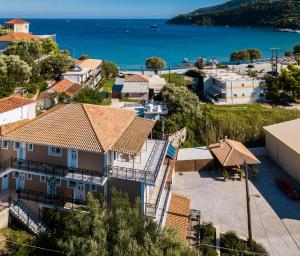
x=206, y=129
x=169, y=74
x=274, y=60
x=250, y=241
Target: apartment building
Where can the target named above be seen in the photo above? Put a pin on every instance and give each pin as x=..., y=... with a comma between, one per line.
x=226, y=87
x=70, y=150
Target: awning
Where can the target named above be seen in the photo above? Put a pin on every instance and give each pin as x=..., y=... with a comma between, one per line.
x=213, y=92
x=171, y=151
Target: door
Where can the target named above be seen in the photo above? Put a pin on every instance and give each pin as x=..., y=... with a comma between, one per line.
x=51, y=189
x=4, y=183
x=79, y=192
x=20, y=181
x=21, y=153
x=73, y=158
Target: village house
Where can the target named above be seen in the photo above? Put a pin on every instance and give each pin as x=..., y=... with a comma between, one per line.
x=20, y=31
x=70, y=150
x=139, y=86
x=226, y=87
x=16, y=108
x=86, y=72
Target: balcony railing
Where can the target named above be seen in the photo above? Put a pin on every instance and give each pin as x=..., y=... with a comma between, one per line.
x=55, y=170
x=151, y=209
x=41, y=197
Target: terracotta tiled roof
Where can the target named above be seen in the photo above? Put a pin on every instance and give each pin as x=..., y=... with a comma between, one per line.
x=73, y=90
x=44, y=96
x=13, y=102
x=137, y=79
x=132, y=140
x=16, y=21
x=80, y=126
x=178, y=215
x=232, y=153
x=16, y=36
x=62, y=86
x=91, y=64
x=7, y=128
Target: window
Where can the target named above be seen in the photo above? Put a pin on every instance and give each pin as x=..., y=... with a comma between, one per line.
x=16, y=145
x=243, y=94
x=30, y=147
x=235, y=95
x=29, y=176
x=71, y=184
x=243, y=85
x=58, y=182
x=15, y=175
x=5, y=144
x=54, y=151
x=43, y=179
x=93, y=188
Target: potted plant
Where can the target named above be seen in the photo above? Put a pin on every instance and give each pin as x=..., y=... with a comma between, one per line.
x=225, y=175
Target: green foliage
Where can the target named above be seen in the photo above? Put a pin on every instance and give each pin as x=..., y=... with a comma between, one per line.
x=54, y=65
x=155, y=63
x=4, y=31
x=246, y=55
x=27, y=50
x=231, y=240
x=14, y=72
x=120, y=230
x=20, y=237
x=108, y=85
x=280, y=13
x=90, y=96
x=286, y=85
x=49, y=46
x=296, y=49
x=84, y=57
x=176, y=79
x=109, y=70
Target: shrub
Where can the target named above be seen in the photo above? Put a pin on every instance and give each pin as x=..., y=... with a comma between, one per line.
x=207, y=231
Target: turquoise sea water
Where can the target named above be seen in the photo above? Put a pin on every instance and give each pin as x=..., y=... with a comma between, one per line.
x=130, y=42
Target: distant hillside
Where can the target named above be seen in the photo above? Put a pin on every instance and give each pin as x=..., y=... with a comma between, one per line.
x=274, y=13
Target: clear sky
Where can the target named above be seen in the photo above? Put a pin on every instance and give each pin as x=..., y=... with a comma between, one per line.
x=99, y=8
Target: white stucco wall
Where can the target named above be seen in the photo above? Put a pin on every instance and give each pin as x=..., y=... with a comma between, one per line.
x=25, y=112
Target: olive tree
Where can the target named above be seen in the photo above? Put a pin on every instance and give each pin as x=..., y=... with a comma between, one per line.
x=155, y=63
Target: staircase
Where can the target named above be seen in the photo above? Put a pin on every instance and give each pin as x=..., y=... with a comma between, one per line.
x=31, y=221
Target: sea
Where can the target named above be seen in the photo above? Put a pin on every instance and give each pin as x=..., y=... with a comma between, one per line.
x=129, y=42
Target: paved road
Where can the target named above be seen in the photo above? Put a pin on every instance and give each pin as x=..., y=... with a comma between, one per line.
x=275, y=218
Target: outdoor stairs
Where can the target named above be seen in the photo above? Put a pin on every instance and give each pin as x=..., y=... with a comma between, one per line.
x=23, y=214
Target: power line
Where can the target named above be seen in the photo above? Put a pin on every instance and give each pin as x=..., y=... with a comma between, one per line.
x=234, y=250
x=31, y=246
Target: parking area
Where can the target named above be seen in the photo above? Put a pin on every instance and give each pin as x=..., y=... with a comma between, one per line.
x=275, y=218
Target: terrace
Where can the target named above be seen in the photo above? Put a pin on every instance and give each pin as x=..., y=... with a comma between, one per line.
x=52, y=170
x=143, y=167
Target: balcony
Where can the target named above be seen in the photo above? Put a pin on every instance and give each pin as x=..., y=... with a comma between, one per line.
x=142, y=168
x=53, y=170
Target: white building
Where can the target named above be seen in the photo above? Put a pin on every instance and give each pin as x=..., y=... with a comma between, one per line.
x=16, y=108
x=154, y=110
x=85, y=72
x=226, y=87
x=17, y=25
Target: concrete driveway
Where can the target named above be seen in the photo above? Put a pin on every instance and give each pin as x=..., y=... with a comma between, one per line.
x=275, y=218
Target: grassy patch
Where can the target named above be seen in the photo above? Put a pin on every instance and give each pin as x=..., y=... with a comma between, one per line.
x=177, y=79
x=108, y=85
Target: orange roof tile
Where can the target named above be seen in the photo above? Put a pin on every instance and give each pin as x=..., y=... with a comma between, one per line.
x=62, y=86
x=91, y=64
x=73, y=90
x=137, y=79
x=79, y=126
x=178, y=215
x=232, y=153
x=13, y=102
x=16, y=36
x=16, y=21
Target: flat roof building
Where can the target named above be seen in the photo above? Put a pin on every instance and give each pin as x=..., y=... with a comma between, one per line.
x=283, y=146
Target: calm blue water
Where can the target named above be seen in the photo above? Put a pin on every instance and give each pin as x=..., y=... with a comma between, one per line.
x=107, y=39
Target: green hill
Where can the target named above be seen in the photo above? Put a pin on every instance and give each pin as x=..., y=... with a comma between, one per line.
x=274, y=13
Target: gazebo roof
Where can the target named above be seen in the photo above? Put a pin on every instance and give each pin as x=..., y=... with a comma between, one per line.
x=232, y=153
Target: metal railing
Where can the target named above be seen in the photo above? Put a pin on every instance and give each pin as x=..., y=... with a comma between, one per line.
x=27, y=217
x=53, y=170
x=168, y=187
x=151, y=209
x=41, y=197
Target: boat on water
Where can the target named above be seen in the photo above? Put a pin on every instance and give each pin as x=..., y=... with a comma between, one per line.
x=154, y=26
x=288, y=30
